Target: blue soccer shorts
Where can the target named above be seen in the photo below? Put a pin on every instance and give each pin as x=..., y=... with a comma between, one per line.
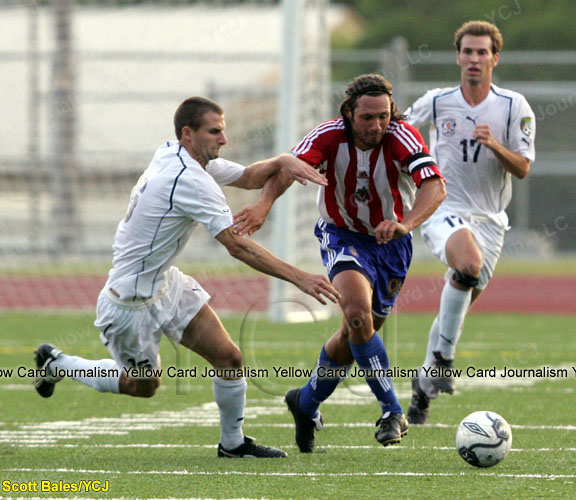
x=384, y=266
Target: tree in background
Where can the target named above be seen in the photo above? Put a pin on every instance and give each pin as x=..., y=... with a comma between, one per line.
x=527, y=24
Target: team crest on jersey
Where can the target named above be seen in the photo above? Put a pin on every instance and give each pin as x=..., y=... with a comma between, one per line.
x=526, y=126
x=362, y=195
x=353, y=251
x=449, y=127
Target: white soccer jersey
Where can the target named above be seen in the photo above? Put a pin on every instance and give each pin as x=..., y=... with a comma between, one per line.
x=172, y=196
x=475, y=182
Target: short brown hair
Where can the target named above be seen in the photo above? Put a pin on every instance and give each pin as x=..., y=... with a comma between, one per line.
x=371, y=84
x=191, y=111
x=480, y=28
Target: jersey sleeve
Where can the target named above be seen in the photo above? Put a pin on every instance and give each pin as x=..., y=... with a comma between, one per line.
x=410, y=150
x=199, y=198
x=420, y=114
x=224, y=171
x=314, y=148
x=522, y=131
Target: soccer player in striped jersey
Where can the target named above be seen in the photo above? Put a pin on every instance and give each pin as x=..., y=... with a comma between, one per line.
x=481, y=135
x=146, y=297
x=382, y=183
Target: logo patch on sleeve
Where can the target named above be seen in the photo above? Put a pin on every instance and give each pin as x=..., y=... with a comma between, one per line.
x=526, y=126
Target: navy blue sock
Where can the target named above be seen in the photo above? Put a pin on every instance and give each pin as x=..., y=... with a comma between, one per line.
x=372, y=356
x=319, y=387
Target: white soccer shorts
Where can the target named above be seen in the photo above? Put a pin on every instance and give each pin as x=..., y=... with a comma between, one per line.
x=131, y=330
x=490, y=238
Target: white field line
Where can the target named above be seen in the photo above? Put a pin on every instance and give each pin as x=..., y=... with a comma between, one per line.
x=290, y=474
x=207, y=415
x=39, y=439
x=324, y=447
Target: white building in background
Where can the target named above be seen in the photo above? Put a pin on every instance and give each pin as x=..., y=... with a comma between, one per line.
x=133, y=65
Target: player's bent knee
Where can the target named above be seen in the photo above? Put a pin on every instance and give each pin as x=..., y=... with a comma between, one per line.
x=147, y=387
x=230, y=357
x=358, y=317
x=140, y=387
x=465, y=279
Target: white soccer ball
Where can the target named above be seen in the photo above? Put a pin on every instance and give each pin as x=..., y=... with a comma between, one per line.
x=483, y=439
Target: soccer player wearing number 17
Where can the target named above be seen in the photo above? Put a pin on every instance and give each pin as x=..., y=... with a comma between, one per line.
x=374, y=163
x=481, y=135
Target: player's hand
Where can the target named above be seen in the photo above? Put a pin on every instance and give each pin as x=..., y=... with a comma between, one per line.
x=302, y=172
x=483, y=135
x=249, y=219
x=318, y=287
x=389, y=230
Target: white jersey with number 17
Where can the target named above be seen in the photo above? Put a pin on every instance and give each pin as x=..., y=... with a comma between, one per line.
x=476, y=184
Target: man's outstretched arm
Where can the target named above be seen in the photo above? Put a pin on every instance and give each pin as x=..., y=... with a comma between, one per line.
x=257, y=257
x=251, y=218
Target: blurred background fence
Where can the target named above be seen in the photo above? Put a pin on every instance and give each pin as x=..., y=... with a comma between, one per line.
x=89, y=93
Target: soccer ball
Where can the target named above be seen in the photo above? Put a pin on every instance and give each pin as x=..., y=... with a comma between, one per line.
x=483, y=439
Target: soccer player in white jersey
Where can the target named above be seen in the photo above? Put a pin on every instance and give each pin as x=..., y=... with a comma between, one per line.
x=382, y=183
x=146, y=296
x=481, y=136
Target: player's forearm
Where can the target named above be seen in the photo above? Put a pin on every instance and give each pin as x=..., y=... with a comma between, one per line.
x=257, y=257
x=428, y=198
x=259, y=173
x=515, y=163
x=274, y=187
x=512, y=162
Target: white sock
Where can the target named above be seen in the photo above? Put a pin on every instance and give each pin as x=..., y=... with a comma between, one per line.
x=433, y=337
x=102, y=374
x=425, y=383
x=230, y=396
x=453, y=307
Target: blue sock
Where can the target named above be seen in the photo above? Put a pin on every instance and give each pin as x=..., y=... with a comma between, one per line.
x=319, y=387
x=372, y=356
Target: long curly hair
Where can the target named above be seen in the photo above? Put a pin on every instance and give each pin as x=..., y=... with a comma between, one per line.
x=371, y=84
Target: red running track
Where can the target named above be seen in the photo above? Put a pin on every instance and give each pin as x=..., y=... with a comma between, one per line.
x=522, y=294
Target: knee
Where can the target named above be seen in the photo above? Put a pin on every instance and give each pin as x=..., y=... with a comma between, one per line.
x=229, y=357
x=465, y=256
x=358, y=319
x=140, y=387
x=465, y=279
x=471, y=268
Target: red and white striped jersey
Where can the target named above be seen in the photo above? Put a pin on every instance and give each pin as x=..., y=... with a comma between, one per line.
x=366, y=187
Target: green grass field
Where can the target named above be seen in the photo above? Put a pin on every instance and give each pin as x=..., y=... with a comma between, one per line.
x=165, y=447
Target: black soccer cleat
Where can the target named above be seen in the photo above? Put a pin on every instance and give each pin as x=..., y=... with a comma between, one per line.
x=249, y=449
x=445, y=382
x=419, y=405
x=305, y=425
x=392, y=427
x=44, y=355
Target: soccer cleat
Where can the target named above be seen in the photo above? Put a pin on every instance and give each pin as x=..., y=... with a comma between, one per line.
x=249, y=449
x=445, y=366
x=392, y=427
x=44, y=355
x=418, y=410
x=305, y=425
